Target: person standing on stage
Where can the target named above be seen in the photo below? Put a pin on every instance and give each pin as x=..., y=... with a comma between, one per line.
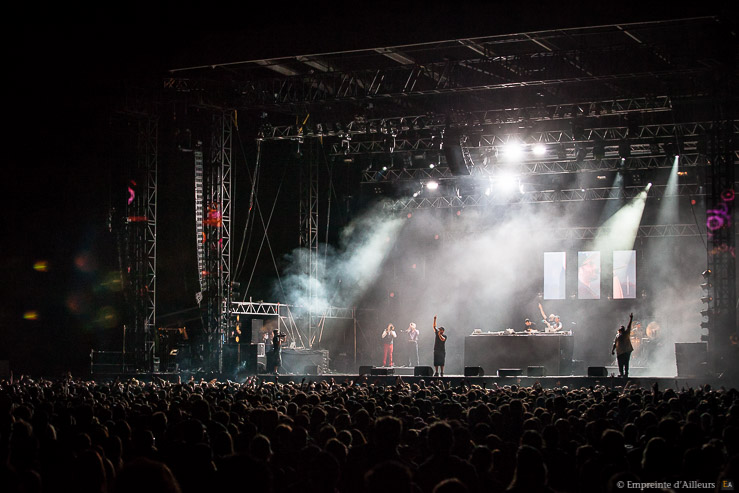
x=388, y=335
x=276, y=343
x=529, y=326
x=413, y=345
x=622, y=348
x=439, y=350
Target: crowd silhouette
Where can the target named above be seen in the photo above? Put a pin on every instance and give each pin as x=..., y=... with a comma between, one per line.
x=359, y=436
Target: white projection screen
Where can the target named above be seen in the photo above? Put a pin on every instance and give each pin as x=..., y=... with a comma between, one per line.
x=624, y=274
x=588, y=275
x=555, y=266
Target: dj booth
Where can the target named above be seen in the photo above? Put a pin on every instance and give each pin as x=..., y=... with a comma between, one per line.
x=495, y=350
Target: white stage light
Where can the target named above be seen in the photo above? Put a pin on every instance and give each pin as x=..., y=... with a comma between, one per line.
x=507, y=183
x=513, y=151
x=540, y=149
x=432, y=185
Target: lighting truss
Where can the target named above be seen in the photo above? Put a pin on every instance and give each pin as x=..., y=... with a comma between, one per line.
x=590, y=233
x=501, y=198
x=494, y=73
x=689, y=134
x=531, y=168
x=434, y=121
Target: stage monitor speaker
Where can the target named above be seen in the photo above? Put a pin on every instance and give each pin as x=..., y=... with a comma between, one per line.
x=473, y=371
x=597, y=371
x=536, y=371
x=365, y=370
x=510, y=372
x=423, y=371
x=256, y=328
x=311, y=370
x=691, y=358
x=382, y=371
x=455, y=159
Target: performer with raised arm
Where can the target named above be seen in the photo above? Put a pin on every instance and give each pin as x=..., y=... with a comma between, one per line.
x=388, y=335
x=439, y=350
x=622, y=348
x=552, y=322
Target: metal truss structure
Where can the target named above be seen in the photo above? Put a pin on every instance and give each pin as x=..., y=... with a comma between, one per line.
x=621, y=97
x=141, y=238
x=497, y=198
x=591, y=233
x=215, y=228
x=287, y=315
x=487, y=66
x=722, y=309
x=473, y=120
x=532, y=168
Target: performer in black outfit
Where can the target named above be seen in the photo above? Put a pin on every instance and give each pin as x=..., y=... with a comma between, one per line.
x=439, y=350
x=622, y=348
x=276, y=343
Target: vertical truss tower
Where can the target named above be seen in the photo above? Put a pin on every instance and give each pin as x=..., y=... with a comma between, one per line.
x=213, y=230
x=141, y=244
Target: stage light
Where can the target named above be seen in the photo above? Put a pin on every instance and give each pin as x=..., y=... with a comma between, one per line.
x=431, y=165
x=580, y=153
x=599, y=150
x=707, y=299
x=507, y=183
x=513, y=151
x=707, y=312
x=706, y=273
x=540, y=149
x=432, y=185
x=706, y=285
x=624, y=150
x=649, y=185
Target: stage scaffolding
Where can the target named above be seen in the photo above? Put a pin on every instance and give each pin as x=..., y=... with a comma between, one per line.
x=140, y=247
x=614, y=98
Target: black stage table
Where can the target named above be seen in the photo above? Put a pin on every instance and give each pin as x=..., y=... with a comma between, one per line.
x=495, y=350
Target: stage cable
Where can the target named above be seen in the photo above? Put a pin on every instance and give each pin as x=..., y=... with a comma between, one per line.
x=243, y=252
x=266, y=238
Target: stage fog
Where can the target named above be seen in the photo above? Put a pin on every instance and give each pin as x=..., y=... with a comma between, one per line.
x=482, y=268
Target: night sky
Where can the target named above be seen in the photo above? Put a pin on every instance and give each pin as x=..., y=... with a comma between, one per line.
x=63, y=84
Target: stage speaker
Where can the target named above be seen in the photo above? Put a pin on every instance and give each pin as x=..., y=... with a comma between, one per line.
x=473, y=371
x=240, y=358
x=691, y=358
x=536, y=371
x=311, y=370
x=423, y=371
x=365, y=370
x=455, y=158
x=597, y=371
x=382, y=371
x=510, y=372
x=256, y=328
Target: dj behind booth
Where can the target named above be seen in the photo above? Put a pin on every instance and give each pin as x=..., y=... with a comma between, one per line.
x=507, y=349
